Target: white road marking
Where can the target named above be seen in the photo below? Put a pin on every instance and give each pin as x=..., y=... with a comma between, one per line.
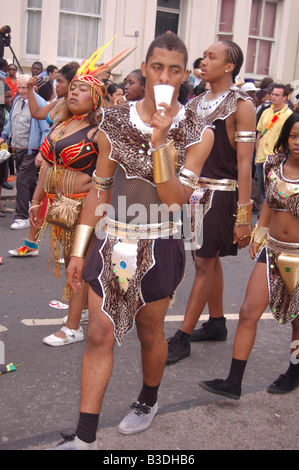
x=168, y=318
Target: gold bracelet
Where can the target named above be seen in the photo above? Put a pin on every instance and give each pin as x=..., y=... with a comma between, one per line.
x=82, y=239
x=165, y=161
x=102, y=184
x=243, y=215
x=259, y=235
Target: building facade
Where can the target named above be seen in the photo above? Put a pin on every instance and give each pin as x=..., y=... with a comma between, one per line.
x=59, y=31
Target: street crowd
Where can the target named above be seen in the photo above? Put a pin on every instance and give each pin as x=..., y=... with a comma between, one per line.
x=78, y=145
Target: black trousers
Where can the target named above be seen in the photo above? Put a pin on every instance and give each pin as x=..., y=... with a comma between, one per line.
x=27, y=174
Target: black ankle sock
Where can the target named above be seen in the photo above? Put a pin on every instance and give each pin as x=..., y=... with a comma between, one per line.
x=293, y=371
x=236, y=372
x=217, y=319
x=182, y=335
x=87, y=427
x=148, y=395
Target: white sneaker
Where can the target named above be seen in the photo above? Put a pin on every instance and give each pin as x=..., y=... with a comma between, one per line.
x=20, y=224
x=71, y=336
x=74, y=443
x=84, y=317
x=138, y=419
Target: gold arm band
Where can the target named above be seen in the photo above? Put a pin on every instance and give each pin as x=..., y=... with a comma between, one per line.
x=243, y=215
x=102, y=184
x=82, y=239
x=245, y=136
x=259, y=235
x=164, y=160
x=188, y=178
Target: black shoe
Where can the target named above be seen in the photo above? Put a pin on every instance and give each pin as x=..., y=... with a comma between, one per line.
x=7, y=185
x=284, y=384
x=178, y=348
x=212, y=330
x=221, y=387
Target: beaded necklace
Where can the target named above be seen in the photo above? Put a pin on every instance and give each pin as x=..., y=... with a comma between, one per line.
x=206, y=107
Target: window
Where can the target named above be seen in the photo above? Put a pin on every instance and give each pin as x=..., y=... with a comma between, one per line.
x=168, y=15
x=34, y=20
x=226, y=20
x=79, y=28
x=261, y=36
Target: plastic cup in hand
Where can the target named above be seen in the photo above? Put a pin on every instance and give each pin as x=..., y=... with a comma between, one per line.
x=163, y=94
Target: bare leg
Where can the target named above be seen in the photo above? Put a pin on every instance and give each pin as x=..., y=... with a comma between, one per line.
x=254, y=305
x=205, y=270
x=215, y=301
x=98, y=356
x=150, y=328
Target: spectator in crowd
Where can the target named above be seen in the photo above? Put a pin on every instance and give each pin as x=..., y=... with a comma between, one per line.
x=4, y=39
x=250, y=89
x=268, y=129
x=4, y=116
x=134, y=86
x=37, y=68
x=27, y=135
x=115, y=94
x=11, y=79
x=3, y=69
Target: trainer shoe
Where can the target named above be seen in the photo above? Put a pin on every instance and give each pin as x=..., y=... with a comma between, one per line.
x=221, y=387
x=20, y=224
x=24, y=251
x=71, y=336
x=178, y=348
x=212, y=330
x=74, y=443
x=138, y=419
x=283, y=384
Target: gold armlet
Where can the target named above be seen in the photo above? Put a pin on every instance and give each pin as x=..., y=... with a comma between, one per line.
x=243, y=215
x=102, y=184
x=164, y=160
x=259, y=235
x=188, y=178
x=245, y=136
x=82, y=239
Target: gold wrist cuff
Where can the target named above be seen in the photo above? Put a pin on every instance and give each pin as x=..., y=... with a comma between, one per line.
x=165, y=161
x=245, y=136
x=82, y=239
x=259, y=235
x=243, y=215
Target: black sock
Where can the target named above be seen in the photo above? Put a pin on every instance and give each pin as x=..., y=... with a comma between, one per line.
x=148, y=395
x=87, y=427
x=182, y=335
x=236, y=372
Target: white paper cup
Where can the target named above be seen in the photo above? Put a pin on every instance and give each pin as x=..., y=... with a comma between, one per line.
x=163, y=94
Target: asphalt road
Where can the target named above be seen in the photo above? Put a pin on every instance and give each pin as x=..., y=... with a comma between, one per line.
x=41, y=398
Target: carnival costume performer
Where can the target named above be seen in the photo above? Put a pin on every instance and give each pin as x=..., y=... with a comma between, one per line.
x=49, y=112
x=138, y=261
x=275, y=277
x=224, y=194
x=70, y=152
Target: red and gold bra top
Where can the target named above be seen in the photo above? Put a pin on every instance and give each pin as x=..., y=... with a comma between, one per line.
x=282, y=194
x=77, y=151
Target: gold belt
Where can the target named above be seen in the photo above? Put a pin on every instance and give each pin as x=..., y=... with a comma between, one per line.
x=287, y=262
x=139, y=231
x=218, y=185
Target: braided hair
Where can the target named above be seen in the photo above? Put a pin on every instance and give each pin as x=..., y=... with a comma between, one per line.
x=234, y=55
